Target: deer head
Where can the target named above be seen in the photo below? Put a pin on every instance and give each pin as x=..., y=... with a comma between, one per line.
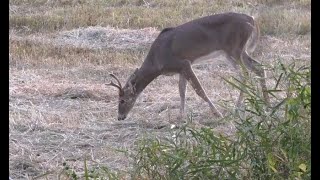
x=127, y=95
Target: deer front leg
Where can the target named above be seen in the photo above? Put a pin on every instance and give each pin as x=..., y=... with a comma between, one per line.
x=257, y=68
x=193, y=80
x=237, y=68
x=243, y=78
x=182, y=90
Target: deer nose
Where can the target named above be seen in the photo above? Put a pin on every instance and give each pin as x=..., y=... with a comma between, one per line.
x=121, y=117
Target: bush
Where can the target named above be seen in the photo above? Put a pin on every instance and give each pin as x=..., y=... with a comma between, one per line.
x=272, y=144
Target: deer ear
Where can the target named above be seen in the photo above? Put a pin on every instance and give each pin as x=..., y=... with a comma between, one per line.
x=134, y=75
x=132, y=86
x=135, y=72
x=121, y=92
x=132, y=81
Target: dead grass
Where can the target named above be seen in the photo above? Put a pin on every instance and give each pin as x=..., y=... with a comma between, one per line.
x=285, y=17
x=60, y=55
x=56, y=117
x=275, y=21
x=108, y=38
x=26, y=53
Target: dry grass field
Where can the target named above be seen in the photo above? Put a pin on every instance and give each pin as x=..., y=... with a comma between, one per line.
x=60, y=55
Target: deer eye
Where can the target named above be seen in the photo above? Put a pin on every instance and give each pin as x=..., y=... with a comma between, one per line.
x=121, y=101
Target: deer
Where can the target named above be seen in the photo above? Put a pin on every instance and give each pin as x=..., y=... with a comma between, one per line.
x=176, y=49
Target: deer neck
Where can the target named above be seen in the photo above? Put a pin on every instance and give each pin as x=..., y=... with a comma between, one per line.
x=144, y=76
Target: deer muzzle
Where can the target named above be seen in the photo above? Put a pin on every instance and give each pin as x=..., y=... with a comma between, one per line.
x=121, y=117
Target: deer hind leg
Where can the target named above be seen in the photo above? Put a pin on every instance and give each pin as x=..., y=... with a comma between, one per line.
x=193, y=80
x=257, y=68
x=182, y=90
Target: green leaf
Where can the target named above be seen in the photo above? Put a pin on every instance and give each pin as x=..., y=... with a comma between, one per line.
x=86, y=175
x=274, y=169
x=271, y=162
x=303, y=167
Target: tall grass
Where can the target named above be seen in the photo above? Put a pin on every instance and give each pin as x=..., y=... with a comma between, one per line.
x=270, y=143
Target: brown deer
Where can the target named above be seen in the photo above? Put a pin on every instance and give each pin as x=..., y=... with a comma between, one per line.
x=177, y=48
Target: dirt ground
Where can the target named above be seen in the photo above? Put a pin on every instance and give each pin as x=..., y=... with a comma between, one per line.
x=67, y=114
